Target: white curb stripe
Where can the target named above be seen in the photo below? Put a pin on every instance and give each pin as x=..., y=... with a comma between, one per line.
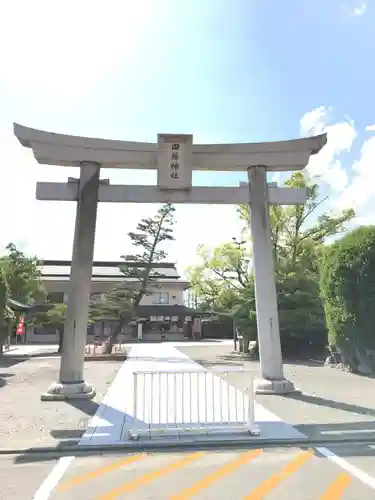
x=53, y=478
x=352, y=469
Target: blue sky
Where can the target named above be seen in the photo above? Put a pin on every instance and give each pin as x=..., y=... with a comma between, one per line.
x=226, y=71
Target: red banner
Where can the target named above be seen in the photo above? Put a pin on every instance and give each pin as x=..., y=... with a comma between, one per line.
x=20, y=326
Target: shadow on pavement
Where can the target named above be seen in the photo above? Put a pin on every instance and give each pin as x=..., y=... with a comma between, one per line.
x=220, y=361
x=8, y=361
x=31, y=355
x=88, y=408
x=362, y=428
x=4, y=377
x=329, y=403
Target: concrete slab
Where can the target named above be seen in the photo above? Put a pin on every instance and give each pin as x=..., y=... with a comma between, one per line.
x=114, y=418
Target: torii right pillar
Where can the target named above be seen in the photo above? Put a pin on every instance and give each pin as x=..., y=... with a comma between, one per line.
x=271, y=380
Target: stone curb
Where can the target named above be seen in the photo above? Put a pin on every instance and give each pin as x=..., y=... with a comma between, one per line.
x=201, y=444
x=317, y=361
x=99, y=357
x=108, y=357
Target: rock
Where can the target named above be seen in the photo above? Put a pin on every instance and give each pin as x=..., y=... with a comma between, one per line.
x=365, y=369
x=329, y=361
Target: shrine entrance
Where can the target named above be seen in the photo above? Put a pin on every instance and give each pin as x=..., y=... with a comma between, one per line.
x=174, y=157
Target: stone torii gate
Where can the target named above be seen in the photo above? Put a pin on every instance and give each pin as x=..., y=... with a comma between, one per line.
x=174, y=157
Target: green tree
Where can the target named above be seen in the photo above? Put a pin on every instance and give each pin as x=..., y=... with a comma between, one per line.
x=348, y=292
x=243, y=315
x=301, y=314
x=298, y=234
x=114, y=307
x=20, y=281
x=223, y=284
x=220, y=276
x=140, y=278
x=6, y=314
x=54, y=315
x=299, y=231
x=22, y=275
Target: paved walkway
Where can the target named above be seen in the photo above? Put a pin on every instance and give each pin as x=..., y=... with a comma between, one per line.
x=114, y=418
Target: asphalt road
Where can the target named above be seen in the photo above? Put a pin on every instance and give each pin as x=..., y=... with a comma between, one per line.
x=273, y=474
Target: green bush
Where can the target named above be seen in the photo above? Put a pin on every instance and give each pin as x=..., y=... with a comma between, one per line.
x=348, y=290
x=301, y=315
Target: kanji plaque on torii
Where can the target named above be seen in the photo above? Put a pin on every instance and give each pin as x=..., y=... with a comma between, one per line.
x=174, y=161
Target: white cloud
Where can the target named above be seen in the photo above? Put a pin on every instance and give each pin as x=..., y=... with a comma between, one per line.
x=353, y=186
x=327, y=164
x=359, y=10
x=360, y=192
x=314, y=122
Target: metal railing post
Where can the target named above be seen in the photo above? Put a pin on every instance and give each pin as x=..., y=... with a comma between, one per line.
x=135, y=406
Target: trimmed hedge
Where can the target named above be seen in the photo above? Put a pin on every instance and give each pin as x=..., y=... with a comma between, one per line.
x=347, y=282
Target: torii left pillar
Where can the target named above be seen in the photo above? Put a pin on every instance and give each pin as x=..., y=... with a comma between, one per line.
x=71, y=383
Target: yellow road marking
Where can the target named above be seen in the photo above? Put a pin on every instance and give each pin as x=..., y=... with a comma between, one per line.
x=99, y=472
x=215, y=476
x=148, y=478
x=274, y=480
x=337, y=488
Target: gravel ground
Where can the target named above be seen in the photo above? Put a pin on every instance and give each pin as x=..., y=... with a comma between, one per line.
x=26, y=421
x=332, y=401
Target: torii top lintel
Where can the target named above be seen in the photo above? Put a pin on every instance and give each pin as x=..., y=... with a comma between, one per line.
x=67, y=150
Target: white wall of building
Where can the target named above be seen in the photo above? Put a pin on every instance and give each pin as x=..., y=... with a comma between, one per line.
x=171, y=293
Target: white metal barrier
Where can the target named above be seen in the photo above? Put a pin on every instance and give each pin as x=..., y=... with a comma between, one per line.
x=191, y=401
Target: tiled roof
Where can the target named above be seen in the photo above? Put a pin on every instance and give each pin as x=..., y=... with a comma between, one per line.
x=169, y=310
x=114, y=279
x=109, y=270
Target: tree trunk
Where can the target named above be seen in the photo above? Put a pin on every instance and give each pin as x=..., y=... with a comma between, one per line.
x=3, y=336
x=254, y=351
x=344, y=354
x=113, y=337
x=234, y=334
x=61, y=340
x=246, y=341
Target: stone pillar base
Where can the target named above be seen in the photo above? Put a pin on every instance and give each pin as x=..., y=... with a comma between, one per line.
x=60, y=391
x=265, y=386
